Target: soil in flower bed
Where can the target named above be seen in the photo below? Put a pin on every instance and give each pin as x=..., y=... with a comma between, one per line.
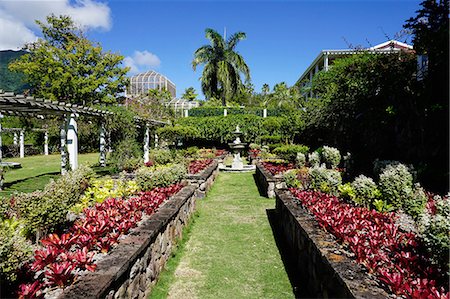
x=62, y=256
x=395, y=257
x=197, y=166
x=277, y=168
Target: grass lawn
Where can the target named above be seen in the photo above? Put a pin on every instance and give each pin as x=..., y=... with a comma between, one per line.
x=229, y=250
x=37, y=171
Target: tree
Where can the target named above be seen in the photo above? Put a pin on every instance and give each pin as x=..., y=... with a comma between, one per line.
x=265, y=89
x=189, y=94
x=65, y=66
x=430, y=29
x=153, y=106
x=223, y=66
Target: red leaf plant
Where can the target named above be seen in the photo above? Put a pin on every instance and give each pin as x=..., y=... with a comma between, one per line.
x=197, y=166
x=276, y=168
x=397, y=258
x=97, y=231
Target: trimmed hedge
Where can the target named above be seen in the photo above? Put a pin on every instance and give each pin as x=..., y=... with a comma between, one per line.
x=218, y=111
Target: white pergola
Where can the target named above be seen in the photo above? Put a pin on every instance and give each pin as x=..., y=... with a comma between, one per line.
x=20, y=105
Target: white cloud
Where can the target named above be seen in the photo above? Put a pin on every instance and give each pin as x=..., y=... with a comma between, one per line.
x=141, y=61
x=14, y=34
x=20, y=15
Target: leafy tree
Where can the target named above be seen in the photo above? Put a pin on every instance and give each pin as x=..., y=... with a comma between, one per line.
x=430, y=29
x=265, y=88
x=152, y=106
x=223, y=66
x=189, y=94
x=283, y=97
x=66, y=66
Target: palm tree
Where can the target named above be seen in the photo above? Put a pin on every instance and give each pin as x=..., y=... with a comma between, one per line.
x=221, y=77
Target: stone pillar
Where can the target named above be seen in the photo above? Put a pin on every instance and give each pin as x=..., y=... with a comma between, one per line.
x=72, y=142
x=63, y=136
x=156, y=140
x=16, y=138
x=46, y=143
x=265, y=113
x=102, y=145
x=147, y=143
x=325, y=63
x=22, y=143
x=225, y=112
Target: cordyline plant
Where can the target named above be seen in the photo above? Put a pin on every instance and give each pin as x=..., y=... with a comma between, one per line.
x=63, y=255
x=394, y=256
x=276, y=168
x=197, y=166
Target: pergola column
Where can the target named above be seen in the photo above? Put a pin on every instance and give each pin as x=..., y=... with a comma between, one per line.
x=225, y=112
x=72, y=142
x=63, y=136
x=102, y=145
x=265, y=113
x=15, y=138
x=146, y=143
x=22, y=143
x=46, y=143
x=156, y=141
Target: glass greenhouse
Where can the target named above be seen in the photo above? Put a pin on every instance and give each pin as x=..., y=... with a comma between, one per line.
x=180, y=105
x=140, y=84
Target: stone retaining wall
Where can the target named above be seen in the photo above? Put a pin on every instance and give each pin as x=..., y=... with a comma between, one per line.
x=133, y=267
x=204, y=179
x=267, y=183
x=321, y=264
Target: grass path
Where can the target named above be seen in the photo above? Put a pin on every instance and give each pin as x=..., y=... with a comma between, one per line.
x=229, y=250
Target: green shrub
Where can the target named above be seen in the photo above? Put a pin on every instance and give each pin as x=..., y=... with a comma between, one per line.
x=300, y=159
x=271, y=139
x=14, y=249
x=325, y=180
x=289, y=152
x=150, y=177
x=314, y=159
x=396, y=184
x=291, y=180
x=174, y=133
x=382, y=206
x=43, y=211
x=415, y=203
x=346, y=192
x=254, y=146
x=127, y=156
x=161, y=156
x=365, y=190
x=331, y=156
x=434, y=231
x=274, y=146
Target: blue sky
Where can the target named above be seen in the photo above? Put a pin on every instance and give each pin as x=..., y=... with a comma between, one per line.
x=283, y=37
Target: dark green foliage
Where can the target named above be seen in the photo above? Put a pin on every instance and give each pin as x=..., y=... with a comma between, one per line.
x=161, y=156
x=11, y=81
x=270, y=139
x=289, y=152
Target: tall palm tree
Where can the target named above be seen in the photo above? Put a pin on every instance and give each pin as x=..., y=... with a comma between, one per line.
x=221, y=77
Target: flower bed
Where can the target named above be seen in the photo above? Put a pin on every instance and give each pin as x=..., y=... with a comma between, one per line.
x=396, y=258
x=277, y=168
x=62, y=256
x=197, y=166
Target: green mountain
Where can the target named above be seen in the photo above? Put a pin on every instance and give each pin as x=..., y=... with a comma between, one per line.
x=11, y=81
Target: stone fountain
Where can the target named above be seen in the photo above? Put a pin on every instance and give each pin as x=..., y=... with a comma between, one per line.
x=237, y=147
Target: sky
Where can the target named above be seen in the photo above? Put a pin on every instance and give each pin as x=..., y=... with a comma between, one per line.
x=283, y=37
